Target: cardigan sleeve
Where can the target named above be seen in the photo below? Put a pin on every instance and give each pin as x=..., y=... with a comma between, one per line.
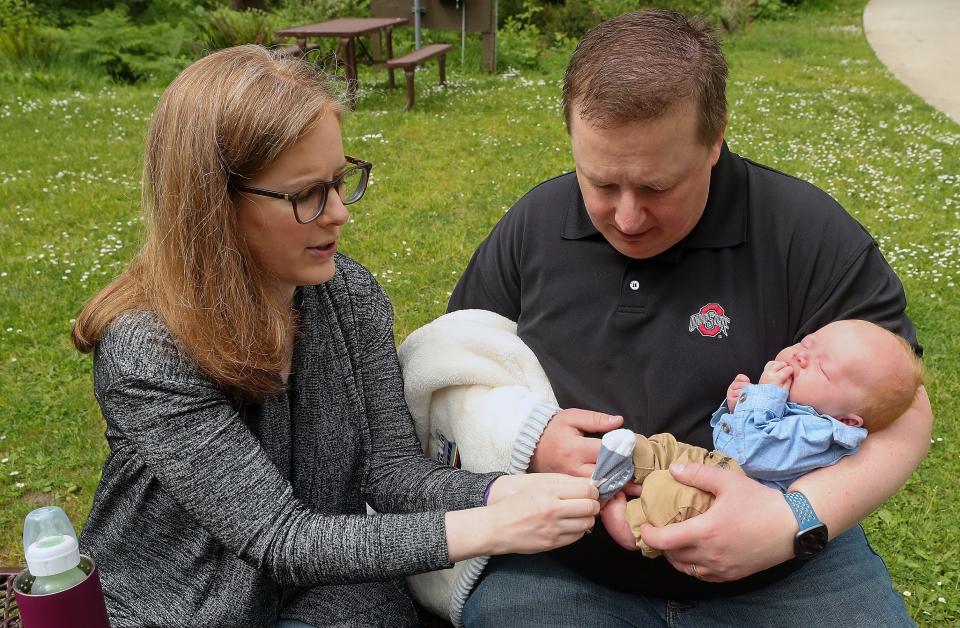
x=192, y=440
x=399, y=477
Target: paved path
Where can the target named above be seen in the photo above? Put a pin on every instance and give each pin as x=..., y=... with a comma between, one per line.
x=919, y=42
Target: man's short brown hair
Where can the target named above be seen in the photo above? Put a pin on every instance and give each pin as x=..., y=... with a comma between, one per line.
x=638, y=66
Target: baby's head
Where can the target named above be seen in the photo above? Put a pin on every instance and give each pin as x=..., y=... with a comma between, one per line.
x=855, y=371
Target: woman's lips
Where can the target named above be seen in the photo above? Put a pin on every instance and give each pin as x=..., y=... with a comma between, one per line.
x=324, y=250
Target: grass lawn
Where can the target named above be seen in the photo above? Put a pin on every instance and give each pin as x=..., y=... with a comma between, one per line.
x=807, y=96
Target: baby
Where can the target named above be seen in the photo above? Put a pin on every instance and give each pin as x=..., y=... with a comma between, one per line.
x=859, y=377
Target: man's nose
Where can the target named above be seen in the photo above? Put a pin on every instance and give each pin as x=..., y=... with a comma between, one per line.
x=630, y=216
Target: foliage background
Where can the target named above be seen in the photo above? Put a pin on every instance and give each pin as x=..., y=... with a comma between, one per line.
x=78, y=81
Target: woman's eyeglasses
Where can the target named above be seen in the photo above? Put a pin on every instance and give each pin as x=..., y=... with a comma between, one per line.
x=309, y=202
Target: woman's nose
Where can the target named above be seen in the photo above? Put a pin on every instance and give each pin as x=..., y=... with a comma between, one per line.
x=334, y=212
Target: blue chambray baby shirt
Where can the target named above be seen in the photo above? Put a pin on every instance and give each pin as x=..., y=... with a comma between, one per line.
x=776, y=441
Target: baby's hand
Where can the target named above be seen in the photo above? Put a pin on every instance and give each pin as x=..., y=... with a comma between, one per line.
x=614, y=518
x=733, y=393
x=777, y=373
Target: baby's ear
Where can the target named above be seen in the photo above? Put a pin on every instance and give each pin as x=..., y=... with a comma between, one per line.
x=853, y=420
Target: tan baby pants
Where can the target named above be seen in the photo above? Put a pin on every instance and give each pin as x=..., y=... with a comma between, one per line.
x=664, y=500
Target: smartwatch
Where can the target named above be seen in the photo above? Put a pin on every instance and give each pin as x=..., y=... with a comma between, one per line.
x=812, y=536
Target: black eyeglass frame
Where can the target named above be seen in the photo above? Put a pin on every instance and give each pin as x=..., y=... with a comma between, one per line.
x=356, y=164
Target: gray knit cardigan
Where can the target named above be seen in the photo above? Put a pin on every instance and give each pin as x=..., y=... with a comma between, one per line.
x=215, y=513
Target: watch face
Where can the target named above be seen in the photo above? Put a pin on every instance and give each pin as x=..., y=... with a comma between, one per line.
x=809, y=543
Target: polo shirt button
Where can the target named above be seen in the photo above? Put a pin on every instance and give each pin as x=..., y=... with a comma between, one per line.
x=725, y=427
x=634, y=285
x=743, y=398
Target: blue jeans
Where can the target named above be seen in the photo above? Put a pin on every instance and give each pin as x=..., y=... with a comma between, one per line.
x=846, y=586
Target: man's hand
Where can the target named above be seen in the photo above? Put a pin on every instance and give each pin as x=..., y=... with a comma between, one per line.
x=563, y=448
x=749, y=527
x=777, y=373
x=614, y=518
x=733, y=393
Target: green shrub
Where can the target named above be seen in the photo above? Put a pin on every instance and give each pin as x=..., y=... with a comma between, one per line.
x=16, y=12
x=519, y=42
x=174, y=11
x=26, y=41
x=607, y=9
x=225, y=27
x=129, y=53
x=33, y=47
x=295, y=12
x=735, y=14
x=772, y=9
x=572, y=19
x=68, y=12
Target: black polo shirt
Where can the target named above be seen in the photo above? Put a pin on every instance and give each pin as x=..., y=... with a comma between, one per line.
x=659, y=340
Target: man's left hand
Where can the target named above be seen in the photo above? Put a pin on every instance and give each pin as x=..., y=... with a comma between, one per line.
x=614, y=518
x=748, y=528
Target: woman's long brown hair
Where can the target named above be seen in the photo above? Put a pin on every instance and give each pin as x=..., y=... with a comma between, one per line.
x=225, y=117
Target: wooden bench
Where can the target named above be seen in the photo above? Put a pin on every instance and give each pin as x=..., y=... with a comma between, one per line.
x=409, y=63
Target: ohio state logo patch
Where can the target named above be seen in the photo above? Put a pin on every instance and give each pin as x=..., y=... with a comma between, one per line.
x=710, y=321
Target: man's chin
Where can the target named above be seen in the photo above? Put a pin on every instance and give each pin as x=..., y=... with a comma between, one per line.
x=636, y=249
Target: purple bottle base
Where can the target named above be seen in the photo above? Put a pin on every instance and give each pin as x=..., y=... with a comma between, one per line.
x=81, y=604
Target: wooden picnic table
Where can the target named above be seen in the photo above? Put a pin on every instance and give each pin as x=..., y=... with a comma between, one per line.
x=346, y=31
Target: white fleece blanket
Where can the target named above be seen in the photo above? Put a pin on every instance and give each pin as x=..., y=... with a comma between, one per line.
x=471, y=384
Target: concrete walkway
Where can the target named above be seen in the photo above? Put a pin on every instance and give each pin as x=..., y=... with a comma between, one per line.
x=919, y=42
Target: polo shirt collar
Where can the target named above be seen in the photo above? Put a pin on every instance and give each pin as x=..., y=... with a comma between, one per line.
x=724, y=219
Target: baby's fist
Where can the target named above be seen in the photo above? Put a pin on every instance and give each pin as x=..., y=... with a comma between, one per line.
x=733, y=393
x=777, y=373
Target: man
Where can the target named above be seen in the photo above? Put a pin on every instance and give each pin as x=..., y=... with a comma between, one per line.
x=643, y=282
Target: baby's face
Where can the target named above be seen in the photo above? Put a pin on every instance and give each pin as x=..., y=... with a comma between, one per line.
x=831, y=364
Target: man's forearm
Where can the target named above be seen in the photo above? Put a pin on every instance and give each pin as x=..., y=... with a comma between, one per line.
x=845, y=493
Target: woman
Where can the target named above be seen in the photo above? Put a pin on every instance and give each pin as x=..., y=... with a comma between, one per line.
x=249, y=381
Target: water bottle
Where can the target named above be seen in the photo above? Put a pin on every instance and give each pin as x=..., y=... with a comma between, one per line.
x=60, y=586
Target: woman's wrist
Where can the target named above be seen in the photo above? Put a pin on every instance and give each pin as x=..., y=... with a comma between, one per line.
x=501, y=488
x=469, y=533
x=486, y=491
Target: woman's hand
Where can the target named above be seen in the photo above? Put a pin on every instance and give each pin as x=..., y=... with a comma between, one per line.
x=541, y=513
x=508, y=485
x=749, y=527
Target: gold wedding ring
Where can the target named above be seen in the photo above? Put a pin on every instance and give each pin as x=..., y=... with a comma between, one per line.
x=693, y=571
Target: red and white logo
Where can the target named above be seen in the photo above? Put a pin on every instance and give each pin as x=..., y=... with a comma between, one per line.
x=710, y=321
